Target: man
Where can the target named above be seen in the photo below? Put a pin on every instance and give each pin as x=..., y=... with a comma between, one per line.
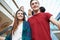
x=39, y=22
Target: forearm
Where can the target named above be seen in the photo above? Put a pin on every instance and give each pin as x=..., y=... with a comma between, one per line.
x=58, y=24
x=2, y=38
x=55, y=22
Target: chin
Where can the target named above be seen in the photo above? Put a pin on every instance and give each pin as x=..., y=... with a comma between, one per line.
x=20, y=18
x=36, y=9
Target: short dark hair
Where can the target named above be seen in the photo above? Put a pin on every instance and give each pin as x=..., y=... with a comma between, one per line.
x=42, y=9
x=31, y=1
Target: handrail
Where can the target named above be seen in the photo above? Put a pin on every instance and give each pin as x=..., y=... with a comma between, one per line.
x=6, y=29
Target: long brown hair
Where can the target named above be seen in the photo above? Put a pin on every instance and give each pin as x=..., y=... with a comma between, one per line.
x=16, y=21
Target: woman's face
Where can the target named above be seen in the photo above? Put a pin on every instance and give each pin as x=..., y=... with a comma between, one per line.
x=20, y=15
x=35, y=5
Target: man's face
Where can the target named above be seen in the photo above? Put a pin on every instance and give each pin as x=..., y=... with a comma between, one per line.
x=35, y=5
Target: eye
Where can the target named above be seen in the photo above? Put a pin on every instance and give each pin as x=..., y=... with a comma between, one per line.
x=36, y=3
x=32, y=4
x=18, y=13
x=21, y=13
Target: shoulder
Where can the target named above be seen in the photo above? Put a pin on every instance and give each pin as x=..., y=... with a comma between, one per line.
x=26, y=24
x=31, y=18
x=47, y=13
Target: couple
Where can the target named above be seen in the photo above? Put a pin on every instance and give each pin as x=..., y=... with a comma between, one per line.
x=38, y=27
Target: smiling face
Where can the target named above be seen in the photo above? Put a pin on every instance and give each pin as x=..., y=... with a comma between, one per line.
x=20, y=15
x=34, y=5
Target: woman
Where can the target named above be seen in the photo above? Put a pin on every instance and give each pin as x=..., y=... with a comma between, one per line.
x=21, y=28
x=22, y=8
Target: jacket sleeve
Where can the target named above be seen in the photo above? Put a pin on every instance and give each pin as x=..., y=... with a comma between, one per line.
x=28, y=32
x=8, y=37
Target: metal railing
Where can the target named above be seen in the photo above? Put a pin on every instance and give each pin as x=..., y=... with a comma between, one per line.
x=6, y=29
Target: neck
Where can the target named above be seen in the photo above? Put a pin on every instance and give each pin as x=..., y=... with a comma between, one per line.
x=36, y=12
x=20, y=21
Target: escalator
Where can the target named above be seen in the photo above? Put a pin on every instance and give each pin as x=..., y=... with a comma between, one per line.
x=55, y=32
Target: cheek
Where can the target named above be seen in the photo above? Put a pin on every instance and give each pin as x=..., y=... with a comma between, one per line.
x=32, y=6
x=22, y=15
x=37, y=5
x=18, y=15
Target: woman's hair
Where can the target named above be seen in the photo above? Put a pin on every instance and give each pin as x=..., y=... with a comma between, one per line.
x=16, y=21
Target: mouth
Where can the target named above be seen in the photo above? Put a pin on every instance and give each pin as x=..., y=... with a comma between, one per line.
x=19, y=16
x=35, y=7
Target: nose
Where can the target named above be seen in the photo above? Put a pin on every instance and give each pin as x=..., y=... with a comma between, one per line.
x=19, y=14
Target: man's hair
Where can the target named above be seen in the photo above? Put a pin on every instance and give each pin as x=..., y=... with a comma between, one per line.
x=42, y=9
x=31, y=1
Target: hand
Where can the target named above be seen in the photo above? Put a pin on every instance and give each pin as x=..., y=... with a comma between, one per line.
x=2, y=38
x=59, y=24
